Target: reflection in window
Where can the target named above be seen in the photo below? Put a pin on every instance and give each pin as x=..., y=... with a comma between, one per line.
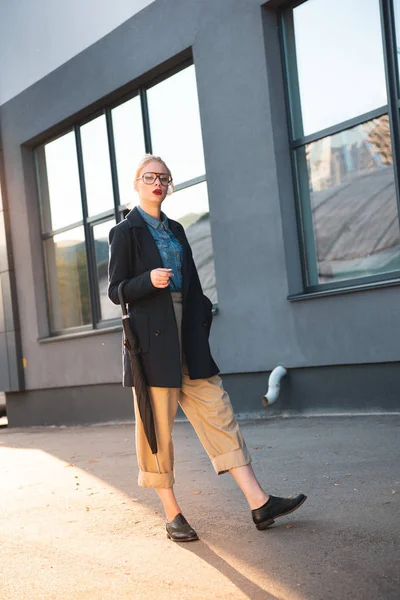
x=340, y=66
x=129, y=145
x=175, y=125
x=353, y=202
x=68, y=280
x=96, y=162
x=59, y=183
x=108, y=310
x=190, y=207
x=77, y=298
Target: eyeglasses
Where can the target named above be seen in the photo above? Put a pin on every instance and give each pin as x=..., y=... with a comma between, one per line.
x=150, y=178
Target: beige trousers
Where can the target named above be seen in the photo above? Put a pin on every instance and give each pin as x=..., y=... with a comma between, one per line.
x=209, y=410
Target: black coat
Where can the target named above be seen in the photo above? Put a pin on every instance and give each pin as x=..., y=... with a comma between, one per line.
x=133, y=254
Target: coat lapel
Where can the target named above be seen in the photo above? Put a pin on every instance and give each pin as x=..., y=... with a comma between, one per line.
x=178, y=232
x=144, y=241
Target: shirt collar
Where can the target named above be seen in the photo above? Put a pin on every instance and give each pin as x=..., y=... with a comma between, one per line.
x=153, y=222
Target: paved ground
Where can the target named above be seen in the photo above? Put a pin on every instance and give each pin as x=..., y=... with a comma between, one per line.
x=74, y=524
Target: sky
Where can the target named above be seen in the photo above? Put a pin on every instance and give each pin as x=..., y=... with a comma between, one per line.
x=37, y=36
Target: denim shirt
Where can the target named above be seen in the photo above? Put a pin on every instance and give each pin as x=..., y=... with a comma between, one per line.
x=168, y=247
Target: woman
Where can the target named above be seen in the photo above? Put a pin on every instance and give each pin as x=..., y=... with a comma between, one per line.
x=171, y=318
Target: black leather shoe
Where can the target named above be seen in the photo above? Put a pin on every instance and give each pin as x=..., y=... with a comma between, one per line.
x=179, y=530
x=275, y=507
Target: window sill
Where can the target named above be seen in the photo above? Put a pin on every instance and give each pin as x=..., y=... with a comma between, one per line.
x=344, y=290
x=89, y=332
x=79, y=334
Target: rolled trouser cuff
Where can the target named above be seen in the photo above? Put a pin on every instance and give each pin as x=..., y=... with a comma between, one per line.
x=156, y=480
x=230, y=460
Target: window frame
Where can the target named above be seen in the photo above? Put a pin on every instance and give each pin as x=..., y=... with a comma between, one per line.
x=117, y=212
x=306, y=238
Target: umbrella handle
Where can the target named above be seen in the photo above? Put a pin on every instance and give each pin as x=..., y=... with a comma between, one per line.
x=121, y=297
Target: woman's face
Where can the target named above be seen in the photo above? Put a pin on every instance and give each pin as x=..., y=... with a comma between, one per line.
x=155, y=192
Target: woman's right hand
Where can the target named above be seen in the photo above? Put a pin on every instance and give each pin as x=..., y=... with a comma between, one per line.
x=160, y=277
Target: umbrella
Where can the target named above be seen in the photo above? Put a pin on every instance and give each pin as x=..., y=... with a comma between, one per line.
x=138, y=375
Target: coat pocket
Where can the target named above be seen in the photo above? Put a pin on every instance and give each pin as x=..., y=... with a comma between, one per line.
x=208, y=303
x=139, y=320
x=208, y=306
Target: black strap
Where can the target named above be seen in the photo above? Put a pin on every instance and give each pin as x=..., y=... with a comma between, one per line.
x=121, y=297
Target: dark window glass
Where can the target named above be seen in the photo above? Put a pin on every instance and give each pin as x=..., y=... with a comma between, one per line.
x=68, y=280
x=96, y=161
x=175, y=125
x=59, y=183
x=108, y=310
x=129, y=145
x=335, y=58
x=347, y=181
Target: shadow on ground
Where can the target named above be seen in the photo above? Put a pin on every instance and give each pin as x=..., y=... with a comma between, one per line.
x=71, y=500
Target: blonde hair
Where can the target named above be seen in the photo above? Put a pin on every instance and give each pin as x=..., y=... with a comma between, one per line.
x=147, y=158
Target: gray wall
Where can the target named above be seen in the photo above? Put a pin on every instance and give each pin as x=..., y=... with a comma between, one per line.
x=38, y=36
x=235, y=51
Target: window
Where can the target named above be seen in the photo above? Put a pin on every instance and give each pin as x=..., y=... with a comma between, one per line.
x=97, y=168
x=68, y=279
x=85, y=179
x=100, y=236
x=129, y=144
x=342, y=126
x=176, y=136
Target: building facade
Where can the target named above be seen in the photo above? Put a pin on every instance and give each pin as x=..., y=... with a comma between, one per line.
x=280, y=122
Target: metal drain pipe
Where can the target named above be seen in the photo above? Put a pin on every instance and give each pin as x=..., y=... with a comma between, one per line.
x=274, y=385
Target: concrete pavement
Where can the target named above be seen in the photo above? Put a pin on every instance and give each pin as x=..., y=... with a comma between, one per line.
x=75, y=525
